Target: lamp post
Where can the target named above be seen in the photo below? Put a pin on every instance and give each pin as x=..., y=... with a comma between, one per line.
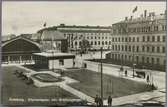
x=101, y=78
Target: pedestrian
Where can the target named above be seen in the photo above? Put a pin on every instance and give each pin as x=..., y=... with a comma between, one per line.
x=148, y=79
x=100, y=102
x=97, y=100
x=126, y=72
x=109, y=101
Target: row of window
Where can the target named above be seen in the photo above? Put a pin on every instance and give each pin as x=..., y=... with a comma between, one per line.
x=144, y=59
x=157, y=49
x=136, y=39
x=72, y=34
x=95, y=43
x=139, y=29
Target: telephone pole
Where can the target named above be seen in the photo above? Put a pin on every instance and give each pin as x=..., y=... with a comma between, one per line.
x=101, y=78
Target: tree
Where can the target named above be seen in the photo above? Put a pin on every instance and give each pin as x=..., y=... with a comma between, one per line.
x=84, y=45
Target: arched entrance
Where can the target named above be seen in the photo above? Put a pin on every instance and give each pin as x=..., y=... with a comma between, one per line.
x=19, y=50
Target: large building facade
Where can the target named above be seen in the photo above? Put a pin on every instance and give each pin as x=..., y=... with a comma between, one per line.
x=140, y=41
x=97, y=36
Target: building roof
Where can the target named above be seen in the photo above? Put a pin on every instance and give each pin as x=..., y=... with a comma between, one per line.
x=52, y=35
x=55, y=55
x=82, y=26
x=21, y=37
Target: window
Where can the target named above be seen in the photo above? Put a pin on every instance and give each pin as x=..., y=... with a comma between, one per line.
x=61, y=62
x=102, y=42
x=147, y=59
x=158, y=38
x=106, y=42
x=143, y=48
x=122, y=39
x=153, y=48
x=112, y=39
x=163, y=39
x=133, y=39
x=133, y=48
x=158, y=49
x=137, y=39
x=163, y=49
x=76, y=43
x=91, y=42
x=98, y=42
x=109, y=42
x=137, y=49
x=122, y=48
x=153, y=38
x=129, y=39
x=152, y=60
x=91, y=37
x=143, y=38
x=148, y=38
x=119, y=39
x=112, y=47
x=125, y=47
x=126, y=39
x=148, y=48
x=95, y=43
x=129, y=48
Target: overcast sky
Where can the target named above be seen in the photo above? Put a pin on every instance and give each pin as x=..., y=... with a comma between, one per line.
x=28, y=17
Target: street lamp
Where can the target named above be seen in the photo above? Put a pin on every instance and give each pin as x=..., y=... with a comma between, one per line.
x=101, y=78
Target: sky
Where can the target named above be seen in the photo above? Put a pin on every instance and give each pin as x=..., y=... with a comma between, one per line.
x=29, y=16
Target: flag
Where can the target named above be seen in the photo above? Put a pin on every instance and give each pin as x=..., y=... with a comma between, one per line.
x=44, y=25
x=135, y=9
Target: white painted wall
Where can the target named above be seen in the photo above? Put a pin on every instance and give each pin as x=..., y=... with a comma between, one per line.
x=55, y=62
x=68, y=63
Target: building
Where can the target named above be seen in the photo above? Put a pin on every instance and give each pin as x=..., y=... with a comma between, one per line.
x=54, y=60
x=53, y=40
x=140, y=41
x=98, y=36
x=19, y=50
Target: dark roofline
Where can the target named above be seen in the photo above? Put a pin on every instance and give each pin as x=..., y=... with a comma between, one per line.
x=81, y=26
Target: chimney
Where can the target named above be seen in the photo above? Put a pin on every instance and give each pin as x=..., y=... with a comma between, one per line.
x=145, y=13
x=126, y=18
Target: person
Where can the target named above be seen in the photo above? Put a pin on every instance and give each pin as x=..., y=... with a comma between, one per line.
x=148, y=79
x=126, y=72
x=97, y=100
x=100, y=102
x=109, y=101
